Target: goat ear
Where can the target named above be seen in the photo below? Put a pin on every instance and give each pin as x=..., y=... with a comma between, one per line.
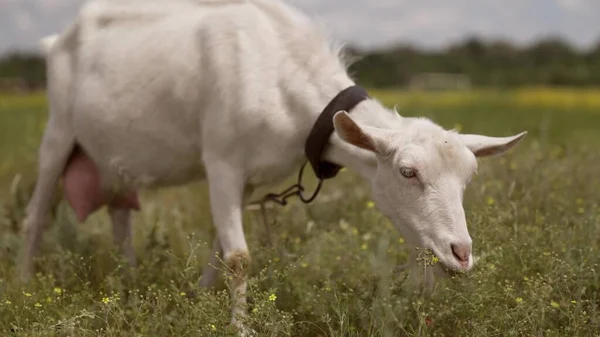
x=483, y=146
x=365, y=138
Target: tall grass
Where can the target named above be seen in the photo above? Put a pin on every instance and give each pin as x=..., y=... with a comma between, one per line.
x=533, y=215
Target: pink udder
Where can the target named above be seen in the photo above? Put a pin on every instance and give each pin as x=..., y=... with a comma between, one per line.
x=83, y=188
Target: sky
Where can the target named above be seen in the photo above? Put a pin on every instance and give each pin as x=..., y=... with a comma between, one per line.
x=369, y=23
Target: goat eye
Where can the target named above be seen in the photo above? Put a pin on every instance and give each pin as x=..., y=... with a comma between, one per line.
x=407, y=172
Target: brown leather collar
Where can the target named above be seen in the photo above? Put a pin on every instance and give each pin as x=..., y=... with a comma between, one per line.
x=318, y=139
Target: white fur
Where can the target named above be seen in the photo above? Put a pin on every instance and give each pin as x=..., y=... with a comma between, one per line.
x=166, y=93
x=47, y=42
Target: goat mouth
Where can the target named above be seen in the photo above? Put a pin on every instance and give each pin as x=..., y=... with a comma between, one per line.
x=445, y=271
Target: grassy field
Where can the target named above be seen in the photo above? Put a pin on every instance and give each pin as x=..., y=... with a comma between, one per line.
x=533, y=215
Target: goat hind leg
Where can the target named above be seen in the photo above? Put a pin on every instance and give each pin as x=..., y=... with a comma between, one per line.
x=210, y=274
x=122, y=232
x=57, y=144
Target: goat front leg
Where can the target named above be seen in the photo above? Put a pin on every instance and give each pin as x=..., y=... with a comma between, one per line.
x=122, y=232
x=226, y=191
x=210, y=274
x=57, y=144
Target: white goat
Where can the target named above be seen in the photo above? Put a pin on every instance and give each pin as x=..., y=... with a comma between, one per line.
x=144, y=96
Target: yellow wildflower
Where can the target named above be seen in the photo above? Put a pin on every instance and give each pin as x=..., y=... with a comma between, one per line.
x=554, y=304
x=574, y=302
x=213, y=327
x=343, y=224
x=519, y=300
x=400, y=240
x=37, y=305
x=27, y=294
x=57, y=290
x=7, y=302
x=106, y=300
x=363, y=246
x=490, y=201
x=370, y=204
x=272, y=297
x=435, y=259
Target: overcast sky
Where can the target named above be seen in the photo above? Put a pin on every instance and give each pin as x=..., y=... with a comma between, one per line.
x=369, y=23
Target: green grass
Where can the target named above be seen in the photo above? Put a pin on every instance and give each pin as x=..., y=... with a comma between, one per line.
x=533, y=215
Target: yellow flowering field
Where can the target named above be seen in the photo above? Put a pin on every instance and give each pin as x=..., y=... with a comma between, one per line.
x=9, y=102
x=525, y=98
x=587, y=99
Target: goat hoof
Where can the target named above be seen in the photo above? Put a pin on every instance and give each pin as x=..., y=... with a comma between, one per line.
x=243, y=330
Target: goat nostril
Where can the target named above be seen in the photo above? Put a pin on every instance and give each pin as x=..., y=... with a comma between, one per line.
x=461, y=252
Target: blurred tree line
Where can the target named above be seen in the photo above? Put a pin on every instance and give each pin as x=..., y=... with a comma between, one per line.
x=550, y=61
x=27, y=70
